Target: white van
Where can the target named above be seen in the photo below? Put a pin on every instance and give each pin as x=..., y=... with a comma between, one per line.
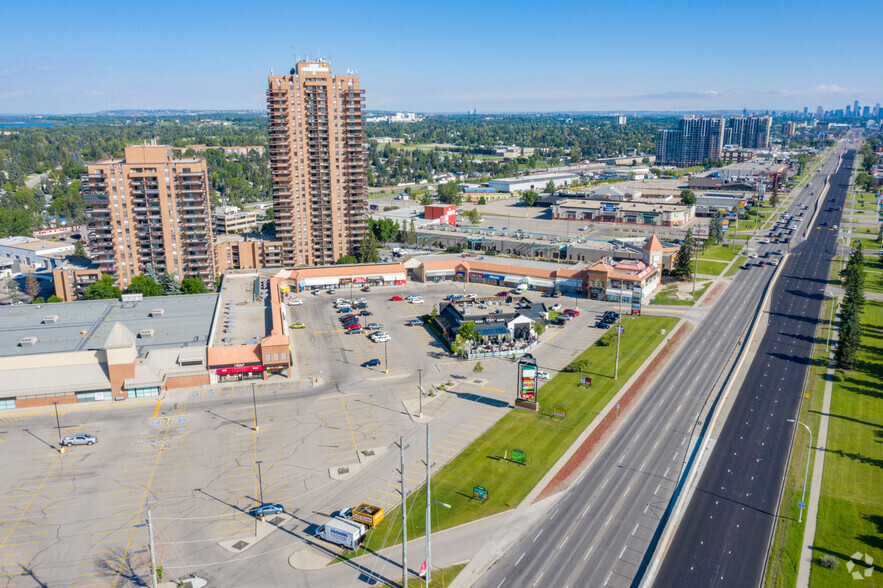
x=342, y=532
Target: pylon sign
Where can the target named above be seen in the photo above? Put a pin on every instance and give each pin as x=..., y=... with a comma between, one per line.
x=526, y=386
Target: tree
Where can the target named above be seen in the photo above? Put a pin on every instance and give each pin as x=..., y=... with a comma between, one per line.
x=716, y=228
x=426, y=200
x=193, y=285
x=32, y=287
x=473, y=215
x=38, y=300
x=478, y=368
x=688, y=197
x=145, y=286
x=683, y=266
x=468, y=332
x=103, y=288
x=449, y=193
x=347, y=259
x=53, y=299
x=550, y=187
x=529, y=197
x=169, y=284
x=482, y=200
x=12, y=290
x=412, y=233
x=80, y=250
x=368, y=249
x=434, y=312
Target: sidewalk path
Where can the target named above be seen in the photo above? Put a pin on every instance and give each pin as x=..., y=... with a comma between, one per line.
x=815, y=489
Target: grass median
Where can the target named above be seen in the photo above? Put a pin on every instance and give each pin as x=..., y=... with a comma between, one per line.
x=711, y=268
x=541, y=435
x=671, y=296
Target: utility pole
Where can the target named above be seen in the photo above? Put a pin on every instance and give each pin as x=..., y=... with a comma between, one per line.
x=152, y=550
x=428, y=518
x=695, y=271
x=618, y=335
x=420, y=389
x=404, y=513
x=255, y=406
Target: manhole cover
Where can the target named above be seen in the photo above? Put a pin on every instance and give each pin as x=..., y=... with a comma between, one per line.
x=240, y=545
x=276, y=520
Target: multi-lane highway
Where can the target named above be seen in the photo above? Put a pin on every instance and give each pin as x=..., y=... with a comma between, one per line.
x=725, y=532
x=601, y=529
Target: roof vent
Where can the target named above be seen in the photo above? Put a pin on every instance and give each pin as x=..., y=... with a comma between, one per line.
x=27, y=342
x=147, y=333
x=157, y=312
x=132, y=297
x=50, y=318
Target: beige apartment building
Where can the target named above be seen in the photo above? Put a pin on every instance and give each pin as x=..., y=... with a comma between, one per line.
x=317, y=159
x=234, y=252
x=243, y=221
x=150, y=209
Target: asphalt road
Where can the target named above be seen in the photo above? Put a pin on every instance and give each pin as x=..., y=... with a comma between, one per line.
x=600, y=531
x=724, y=535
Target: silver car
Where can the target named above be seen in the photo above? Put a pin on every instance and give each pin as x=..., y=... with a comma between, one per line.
x=79, y=440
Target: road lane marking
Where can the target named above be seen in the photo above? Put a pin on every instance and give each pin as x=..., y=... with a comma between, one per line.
x=28, y=506
x=538, y=535
x=519, y=560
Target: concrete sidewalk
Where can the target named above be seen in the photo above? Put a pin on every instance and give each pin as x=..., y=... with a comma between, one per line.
x=815, y=489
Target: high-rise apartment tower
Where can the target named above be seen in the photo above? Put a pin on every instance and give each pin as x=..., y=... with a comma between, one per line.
x=317, y=160
x=150, y=210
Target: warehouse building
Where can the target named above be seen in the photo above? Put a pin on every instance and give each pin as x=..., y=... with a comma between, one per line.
x=662, y=214
x=536, y=182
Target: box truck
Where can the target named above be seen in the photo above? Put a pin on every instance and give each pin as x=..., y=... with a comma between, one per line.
x=342, y=532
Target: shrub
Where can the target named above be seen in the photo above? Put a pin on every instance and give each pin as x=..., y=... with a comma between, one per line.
x=829, y=561
x=478, y=368
x=579, y=365
x=839, y=376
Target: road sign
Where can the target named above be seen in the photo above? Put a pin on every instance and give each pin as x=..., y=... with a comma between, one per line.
x=620, y=330
x=560, y=412
x=585, y=380
x=519, y=456
x=480, y=493
x=801, y=504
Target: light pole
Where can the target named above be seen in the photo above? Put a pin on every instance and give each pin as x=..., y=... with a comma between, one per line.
x=254, y=405
x=385, y=358
x=428, y=533
x=831, y=320
x=618, y=333
x=260, y=481
x=57, y=422
x=696, y=270
x=420, y=389
x=802, y=504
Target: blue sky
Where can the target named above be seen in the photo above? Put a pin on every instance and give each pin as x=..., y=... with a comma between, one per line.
x=87, y=56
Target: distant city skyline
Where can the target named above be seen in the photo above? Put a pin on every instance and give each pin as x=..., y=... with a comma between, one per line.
x=570, y=56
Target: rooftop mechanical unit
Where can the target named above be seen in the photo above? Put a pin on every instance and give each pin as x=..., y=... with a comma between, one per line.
x=157, y=312
x=147, y=333
x=50, y=318
x=27, y=342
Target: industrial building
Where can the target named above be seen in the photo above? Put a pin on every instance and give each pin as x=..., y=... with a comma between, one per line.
x=536, y=182
x=317, y=160
x=150, y=209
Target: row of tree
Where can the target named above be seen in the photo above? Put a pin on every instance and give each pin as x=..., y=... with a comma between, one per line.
x=850, y=331
x=147, y=285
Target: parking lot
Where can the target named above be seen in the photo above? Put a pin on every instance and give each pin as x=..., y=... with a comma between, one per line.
x=74, y=519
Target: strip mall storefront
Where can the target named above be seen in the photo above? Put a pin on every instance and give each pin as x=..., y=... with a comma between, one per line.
x=239, y=372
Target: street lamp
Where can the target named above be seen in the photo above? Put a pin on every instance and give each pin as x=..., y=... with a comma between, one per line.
x=802, y=504
x=254, y=405
x=57, y=422
x=831, y=320
x=428, y=541
x=385, y=357
x=420, y=389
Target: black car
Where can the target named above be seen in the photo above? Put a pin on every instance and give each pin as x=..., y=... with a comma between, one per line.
x=559, y=321
x=361, y=305
x=366, y=313
x=602, y=325
x=356, y=331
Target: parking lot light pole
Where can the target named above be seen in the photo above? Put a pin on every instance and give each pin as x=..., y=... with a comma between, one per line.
x=420, y=389
x=255, y=406
x=831, y=320
x=260, y=480
x=385, y=357
x=805, y=475
x=57, y=422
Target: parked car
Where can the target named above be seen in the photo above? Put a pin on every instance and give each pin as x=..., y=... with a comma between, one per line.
x=267, y=508
x=543, y=375
x=415, y=323
x=416, y=301
x=602, y=324
x=81, y=439
x=381, y=339
x=555, y=307
x=559, y=321
x=366, y=289
x=503, y=293
x=366, y=313
x=566, y=317
x=351, y=326
x=571, y=312
x=299, y=325
x=371, y=363
x=396, y=299
x=343, y=309
x=374, y=326
x=295, y=302
x=356, y=331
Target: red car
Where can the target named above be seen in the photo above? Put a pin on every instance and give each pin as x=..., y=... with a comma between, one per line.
x=571, y=312
x=396, y=298
x=503, y=293
x=352, y=325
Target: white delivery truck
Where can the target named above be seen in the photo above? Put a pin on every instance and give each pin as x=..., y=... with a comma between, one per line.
x=342, y=532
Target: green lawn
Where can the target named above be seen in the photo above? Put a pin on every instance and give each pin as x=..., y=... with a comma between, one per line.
x=680, y=172
x=667, y=295
x=722, y=252
x=873, y=274
x=851, y=504
x=735, y=268
x=543, y=437
x=440, y=578
x=785, y=552
x=711, y=268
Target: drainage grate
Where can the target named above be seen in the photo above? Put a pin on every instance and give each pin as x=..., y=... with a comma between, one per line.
x=276, y=520
x=239, y=545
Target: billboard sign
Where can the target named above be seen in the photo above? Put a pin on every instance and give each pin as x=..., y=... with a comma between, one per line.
x=608, y=207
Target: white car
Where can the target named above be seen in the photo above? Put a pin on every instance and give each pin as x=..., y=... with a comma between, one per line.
x=380, y=337
x=543, y=375
x=753, y=256
x=584, y=228
x=295, y=302
x=416, y=301
x=555, y=307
